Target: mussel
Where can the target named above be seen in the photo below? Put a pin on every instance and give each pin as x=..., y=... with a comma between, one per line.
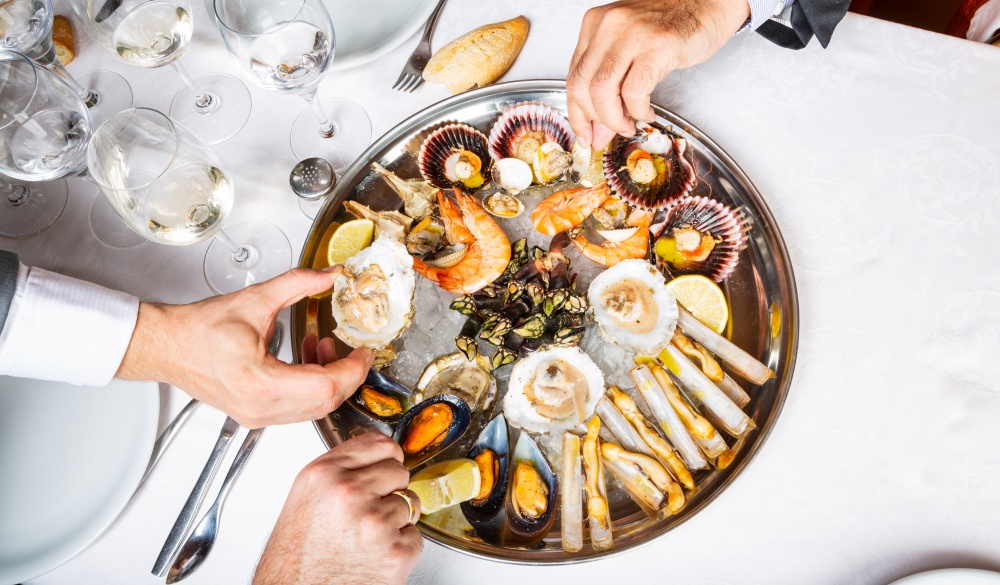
x=491, y=452
x=383, y=398
x=532, y=497
x=431, y=426
x=455, y=374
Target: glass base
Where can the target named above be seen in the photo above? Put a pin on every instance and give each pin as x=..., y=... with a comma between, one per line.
x=114, y=94
x=221, y=122
x=109, y=228
x=311, y=207
x=44, y=205
x=270, y=255
x=352, y=137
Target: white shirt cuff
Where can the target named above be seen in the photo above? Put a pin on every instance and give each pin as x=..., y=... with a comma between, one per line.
x=64, y=329
x=763, y=10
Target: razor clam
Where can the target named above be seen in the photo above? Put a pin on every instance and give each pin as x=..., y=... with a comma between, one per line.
x=598, y=513
x=733, y=390
x=710, y=441
x=638, y=486
x=702, y=391
x=740, y=361
x=491, y=452
x=430, y=427
x=572, y=494
x=455, y=374
x=710, y=367
x=382, y=398
x=671, y=424
x=532, y=496
x=647, y=467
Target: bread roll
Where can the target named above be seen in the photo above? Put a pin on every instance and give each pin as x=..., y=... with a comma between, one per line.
x=62, y=38
x=478, y=58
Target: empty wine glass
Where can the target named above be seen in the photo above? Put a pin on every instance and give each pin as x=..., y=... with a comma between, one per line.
x=44, y=129
x=286, y=46
x=172, y=188
x=29, y=31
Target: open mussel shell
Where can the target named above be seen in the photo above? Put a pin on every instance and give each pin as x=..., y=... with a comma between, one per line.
x=430, y=427
x=536, y=119
x=438, y=150
x=522, y=529
x=382, y=398
x=727, y=227
x=485, y=516
x=672, y=177
x=456, y=375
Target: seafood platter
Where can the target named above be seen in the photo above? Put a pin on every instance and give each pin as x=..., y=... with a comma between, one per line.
x=519, y=291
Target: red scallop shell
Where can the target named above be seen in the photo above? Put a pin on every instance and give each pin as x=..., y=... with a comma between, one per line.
x=440, y=144
x=712, y=217
x=680, y=182
x=524, y=118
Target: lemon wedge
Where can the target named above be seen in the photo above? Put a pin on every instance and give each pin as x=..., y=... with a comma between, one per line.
x=703, y=298
x=445, y=484
x=349, y=239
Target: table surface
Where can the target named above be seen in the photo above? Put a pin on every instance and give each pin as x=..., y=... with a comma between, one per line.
x=878, y=156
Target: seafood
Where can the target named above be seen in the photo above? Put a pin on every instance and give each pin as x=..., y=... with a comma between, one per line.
x=612, y=214
x=487, y=253
x=598, y=514
x=503, y=205
x=648, y=467
x=382, y=397
x=588, y=165
x=572, y=494
x=701, y=235
x=668, y=418
x=427, y=237
x=566, y=209
x=696, y=351
x=733, y=390
x=710, y=441
x=633, y=306
x=389, y=225
x=630, y=410
x=372, y=296
x=491, y=453
x=430, y=427
x=633, y=242
x=455, y=155
x=703, y=392
x=638, y=485
x=419, y=197
x=513, y=175
x=536, y=134
x=453, y=374
x=738, y=360
x=532, y=496
x=650, y=170
x=553, y=390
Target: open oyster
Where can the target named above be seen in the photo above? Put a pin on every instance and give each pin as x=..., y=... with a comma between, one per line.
x=553, y=390
x=372, y=296
x=633, y=306
x=455, y=374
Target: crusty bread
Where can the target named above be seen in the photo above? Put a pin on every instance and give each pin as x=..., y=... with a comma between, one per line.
x=62, y=38
x=478, y=58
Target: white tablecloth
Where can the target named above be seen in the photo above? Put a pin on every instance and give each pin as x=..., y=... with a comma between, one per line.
x=879, y=157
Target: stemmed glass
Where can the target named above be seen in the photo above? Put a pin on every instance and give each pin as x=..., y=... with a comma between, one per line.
x=172, y=188
x=26, y=27
x=44, y=129
x=286, y=46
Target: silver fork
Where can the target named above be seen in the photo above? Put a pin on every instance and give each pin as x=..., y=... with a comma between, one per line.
x=411, y=78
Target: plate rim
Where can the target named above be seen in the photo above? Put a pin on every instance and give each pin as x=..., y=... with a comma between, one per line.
x=789, y=291
x=365, y=57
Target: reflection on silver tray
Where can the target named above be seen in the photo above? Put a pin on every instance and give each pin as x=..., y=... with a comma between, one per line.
x=761, y=293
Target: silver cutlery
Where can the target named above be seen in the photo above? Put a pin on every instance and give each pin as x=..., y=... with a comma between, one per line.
x=167, y=436
x=186, y=518
x=200, y=543
x=412, y=76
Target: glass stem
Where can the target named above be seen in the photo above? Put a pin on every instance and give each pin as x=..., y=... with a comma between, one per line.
x=89, y=97
x=16, y=195
x=204, y=102
x=327, y=127
x=245, y=256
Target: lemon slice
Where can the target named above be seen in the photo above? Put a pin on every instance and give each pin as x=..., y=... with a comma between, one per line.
x=446, y=484
x=703, y=298
x=349, y=239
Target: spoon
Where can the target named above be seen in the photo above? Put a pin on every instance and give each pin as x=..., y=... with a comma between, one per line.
x=312, y=180
x=200, y=543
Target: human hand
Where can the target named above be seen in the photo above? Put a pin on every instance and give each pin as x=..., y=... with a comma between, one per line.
x=216, y=350
x=341, y=523
x=627, y=47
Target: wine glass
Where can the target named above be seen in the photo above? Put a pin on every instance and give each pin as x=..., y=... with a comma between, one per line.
x=44, y=129
x=172, y=188
x=286, y=46
x=28, y=31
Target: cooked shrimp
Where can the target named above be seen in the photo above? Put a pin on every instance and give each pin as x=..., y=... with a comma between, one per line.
x=610, y=253
x=488, y=251
x=568, y=208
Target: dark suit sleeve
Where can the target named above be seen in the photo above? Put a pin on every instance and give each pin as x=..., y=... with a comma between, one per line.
x=8, y=282
x=809, y=18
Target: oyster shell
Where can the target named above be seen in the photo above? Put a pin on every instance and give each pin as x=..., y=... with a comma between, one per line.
x=553, y=390
x=431, y=427
x=372, y=296
x=701, y=235
x=633, y=306
x=650, y=169
x=455, y=155
x=454, y=374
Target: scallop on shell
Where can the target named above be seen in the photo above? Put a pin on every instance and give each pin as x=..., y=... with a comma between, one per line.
x=633, y=306
x=553, y=390
x=701, y=235
x=455, y=155
x=521, y=130
x=650, y=170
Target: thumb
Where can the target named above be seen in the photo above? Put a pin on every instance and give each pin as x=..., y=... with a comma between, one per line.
x=294, y=285
x=602, y=136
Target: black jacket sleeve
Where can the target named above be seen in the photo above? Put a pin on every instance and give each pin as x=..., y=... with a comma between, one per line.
x=809, y=18
x=8, y=282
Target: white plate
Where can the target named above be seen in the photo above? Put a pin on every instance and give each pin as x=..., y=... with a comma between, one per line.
x=366, y=30
x=70, y=459
x=951, y=577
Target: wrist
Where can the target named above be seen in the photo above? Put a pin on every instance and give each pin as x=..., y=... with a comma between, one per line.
x=147, y=356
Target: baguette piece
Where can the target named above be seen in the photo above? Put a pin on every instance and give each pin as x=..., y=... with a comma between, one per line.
x=478, y=58
x=62, y=38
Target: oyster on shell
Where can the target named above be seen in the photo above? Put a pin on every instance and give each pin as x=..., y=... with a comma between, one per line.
x=633, y=306
x=553, y=390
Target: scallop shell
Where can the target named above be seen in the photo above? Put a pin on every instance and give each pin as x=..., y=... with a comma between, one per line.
x=441, y=143
x=679, y=182
x=728, y=226
x=524, y=118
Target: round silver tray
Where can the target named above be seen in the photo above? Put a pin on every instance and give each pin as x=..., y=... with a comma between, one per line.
x=762, y=296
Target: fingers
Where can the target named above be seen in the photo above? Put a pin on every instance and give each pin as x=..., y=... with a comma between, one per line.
x=638, y=87
x=309, y=344
x=366, y=450
x=384, y=477
x=605, y=92
x=411, y=543
x=348, y=373
x=294, y=285
x=602, y=136
x=580, y=124
x=326, y=351
x=401, y=508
